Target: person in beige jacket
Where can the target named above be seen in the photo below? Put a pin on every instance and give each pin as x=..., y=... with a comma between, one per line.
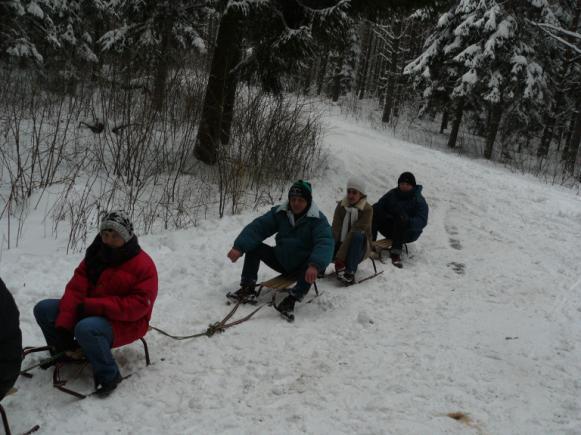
x=352, y=230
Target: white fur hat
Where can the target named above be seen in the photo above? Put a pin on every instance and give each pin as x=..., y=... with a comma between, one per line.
x=357, y=184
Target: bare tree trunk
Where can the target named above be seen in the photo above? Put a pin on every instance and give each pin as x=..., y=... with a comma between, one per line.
x=230, y=96
x=569, y=129
x=162, y=69
x=306, y=87
x=213, y=27
x=459, y=110
x=397, y=100
x=210, y=128
x=550, y=119
x=494, y=123
x=364, y=62
x=381, y=69
x=444, y=124
x=336, y=90
x=547, y=136
x=322, y=73
x=372, y=70
x=572, y=147
x=393, y=72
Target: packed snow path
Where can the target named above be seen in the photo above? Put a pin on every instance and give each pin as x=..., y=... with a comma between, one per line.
x=484, y=319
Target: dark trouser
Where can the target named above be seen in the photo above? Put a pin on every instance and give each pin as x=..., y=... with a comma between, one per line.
x=94, y=334
x=10, y=371
x=266, y=254
x=393, y=228
x=355, y=251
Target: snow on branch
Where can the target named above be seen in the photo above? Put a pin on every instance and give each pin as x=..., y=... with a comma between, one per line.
x=244, y=6
x=547, y=29
x=23, y=48
x=325, y=11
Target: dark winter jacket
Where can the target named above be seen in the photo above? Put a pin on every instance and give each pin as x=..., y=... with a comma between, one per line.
x=411, y=205
x=309, y=240
x=10, y=341
x=123, y=294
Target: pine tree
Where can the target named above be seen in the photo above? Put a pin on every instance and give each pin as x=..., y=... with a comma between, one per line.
x=146, y=33
x=566, y=107
x=483, y=53
x=279, y=36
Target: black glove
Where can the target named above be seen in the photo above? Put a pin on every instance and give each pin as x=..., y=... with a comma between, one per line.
x=64, y=341
x=81, y=314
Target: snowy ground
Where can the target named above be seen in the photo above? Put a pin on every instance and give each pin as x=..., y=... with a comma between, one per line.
x=484, y=319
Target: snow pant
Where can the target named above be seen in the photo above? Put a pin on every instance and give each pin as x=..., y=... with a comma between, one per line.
x=393, y=228
x=266, y=254
x=94, y=334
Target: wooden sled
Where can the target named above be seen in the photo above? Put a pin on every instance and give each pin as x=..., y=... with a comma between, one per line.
x=281, y=282
x=380, y=246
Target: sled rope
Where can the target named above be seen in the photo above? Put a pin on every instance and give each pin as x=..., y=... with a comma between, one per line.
x=213, y=328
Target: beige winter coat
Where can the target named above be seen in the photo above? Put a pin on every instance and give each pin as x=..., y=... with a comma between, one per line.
x=363, y=223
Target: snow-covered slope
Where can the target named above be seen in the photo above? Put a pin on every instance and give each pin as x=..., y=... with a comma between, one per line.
x=484, y=319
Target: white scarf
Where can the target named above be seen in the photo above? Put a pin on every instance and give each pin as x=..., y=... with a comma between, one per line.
x=351, y=216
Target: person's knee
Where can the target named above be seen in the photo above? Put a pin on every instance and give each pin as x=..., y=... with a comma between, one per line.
x=91, y=327
x=411, y=236
x=85, y=328
x=82, y=329
x=45, y=309
x=38, y=310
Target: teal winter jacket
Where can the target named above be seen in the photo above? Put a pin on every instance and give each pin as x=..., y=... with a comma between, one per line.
x=309, y=240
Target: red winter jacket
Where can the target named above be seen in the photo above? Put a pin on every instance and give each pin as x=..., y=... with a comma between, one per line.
x=124, y=295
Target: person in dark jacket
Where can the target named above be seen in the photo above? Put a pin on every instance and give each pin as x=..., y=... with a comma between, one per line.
x=304, y=245
x=400, y=215
x=352, y=230
x=10, y=341
x=107, y=303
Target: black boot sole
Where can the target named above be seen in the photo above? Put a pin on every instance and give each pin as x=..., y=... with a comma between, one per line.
x=234, y=299
x=289, y=317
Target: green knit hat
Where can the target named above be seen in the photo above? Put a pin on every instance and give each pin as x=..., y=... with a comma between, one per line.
x=303, y=189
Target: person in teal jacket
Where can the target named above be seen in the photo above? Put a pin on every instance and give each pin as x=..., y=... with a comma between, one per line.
x=304, y=246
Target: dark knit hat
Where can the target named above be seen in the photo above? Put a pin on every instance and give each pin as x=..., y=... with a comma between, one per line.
x=303, y=189
x=118, y=221
x=407, y=177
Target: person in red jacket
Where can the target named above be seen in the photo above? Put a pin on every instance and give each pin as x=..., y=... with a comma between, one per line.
x=106, y=304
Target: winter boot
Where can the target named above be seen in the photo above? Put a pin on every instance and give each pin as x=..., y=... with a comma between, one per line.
x=246, y=294
x=396, y=260
x=106, y=388
x=347, y=278
x=284, y=303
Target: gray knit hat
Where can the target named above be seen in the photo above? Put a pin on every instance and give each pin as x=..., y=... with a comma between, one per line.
x=118, y=221
x=357, y=184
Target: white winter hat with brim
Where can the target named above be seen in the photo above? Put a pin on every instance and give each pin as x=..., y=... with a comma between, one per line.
x=357, y=184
